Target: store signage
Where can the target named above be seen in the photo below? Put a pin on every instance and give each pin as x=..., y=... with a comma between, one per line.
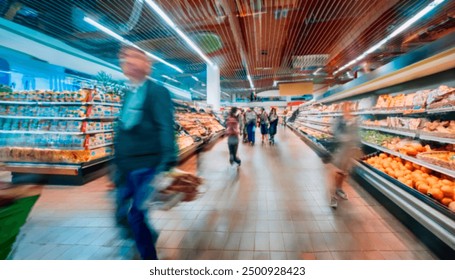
x=292, y=89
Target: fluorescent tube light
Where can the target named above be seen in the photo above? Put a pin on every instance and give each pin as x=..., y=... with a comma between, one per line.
x=161, y=13
x=173, y=89
x=195, y=91
x=251, y=82
x=169, y=78
x=317, y=71
x=195, y=78
x=169, y=22
x=127, y=42
x=107, y=31
x=400, y=29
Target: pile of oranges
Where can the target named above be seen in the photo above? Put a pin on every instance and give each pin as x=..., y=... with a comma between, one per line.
x=438, y=186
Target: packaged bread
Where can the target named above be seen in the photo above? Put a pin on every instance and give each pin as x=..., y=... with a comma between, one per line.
x=108, y=97
x=81, y=96
x=439, y=94
x=98, y=97
x=116, y=98
x=409, y=100
x=68, y=96
x=420, y=99
x=383, y=101
x=398, y=101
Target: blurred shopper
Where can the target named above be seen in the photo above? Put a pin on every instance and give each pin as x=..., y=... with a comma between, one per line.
x=264, y=125
x=245, y=131
x=145, y=147
x=273, y=120
x=233, y=132
x=347, y=141
x=251, y=119
x=241, y=118
x=285, y=116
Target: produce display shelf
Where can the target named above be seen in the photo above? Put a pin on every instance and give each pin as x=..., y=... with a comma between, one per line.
x=331, y=114
x=433, y=167
x=41, y=168
x=100, y=146
x=388, y=112
x=101, y=118
x=59, y=118
x=41, y=132
x=51, y=168
x=317, y=122
x=413, y=134
x=389, y=130
x=189, y=151
x=317, y=129
x=430, y=137
x=217, y=135
x=379, y=112
x=99, y=131
x=52, y=103
x=43, y=118
x=442, y=226
x=441, y=110
x=315, y=145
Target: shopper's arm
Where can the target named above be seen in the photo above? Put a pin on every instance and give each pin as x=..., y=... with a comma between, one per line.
x=163, y=112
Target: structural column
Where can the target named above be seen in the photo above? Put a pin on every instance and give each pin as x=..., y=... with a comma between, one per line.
x=213, y=87
x=233, y=98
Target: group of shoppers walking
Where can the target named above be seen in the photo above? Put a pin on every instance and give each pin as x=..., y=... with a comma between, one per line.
x=267, y=123
x=243, y=123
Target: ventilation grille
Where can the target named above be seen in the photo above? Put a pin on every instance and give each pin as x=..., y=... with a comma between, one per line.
x=307, y=61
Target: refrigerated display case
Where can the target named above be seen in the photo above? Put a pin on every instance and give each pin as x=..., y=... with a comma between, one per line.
x=56, y=133
x=412, y=124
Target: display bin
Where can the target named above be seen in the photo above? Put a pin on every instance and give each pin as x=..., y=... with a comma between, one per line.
x=431, y=222
x=415, y=193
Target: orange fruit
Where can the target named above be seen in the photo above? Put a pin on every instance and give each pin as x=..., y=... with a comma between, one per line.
x=448, y=191
x=410, y=183
x=436, y=193
x=447, y=182
x=402, y=180
x=446, y=201
x=423, y=188
x=452, y=206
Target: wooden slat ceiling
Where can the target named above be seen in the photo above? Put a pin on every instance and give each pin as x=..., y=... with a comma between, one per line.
x=265, y=38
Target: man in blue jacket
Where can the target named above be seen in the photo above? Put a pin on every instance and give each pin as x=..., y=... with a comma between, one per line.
x=145, y=147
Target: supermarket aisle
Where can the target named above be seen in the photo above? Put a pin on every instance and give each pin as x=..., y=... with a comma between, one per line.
x=275, y=207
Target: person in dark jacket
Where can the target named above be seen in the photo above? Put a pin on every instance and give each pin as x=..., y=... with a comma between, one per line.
x=251, y=119
x=145, y=147
x=273, y=120
x=264, y=125
x=233, y=132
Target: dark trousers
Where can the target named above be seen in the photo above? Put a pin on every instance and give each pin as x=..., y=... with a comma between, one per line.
x=233, y=144
x=132, y=196
x=251, y=133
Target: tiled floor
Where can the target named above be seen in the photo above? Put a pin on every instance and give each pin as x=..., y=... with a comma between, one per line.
x=275, y=207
